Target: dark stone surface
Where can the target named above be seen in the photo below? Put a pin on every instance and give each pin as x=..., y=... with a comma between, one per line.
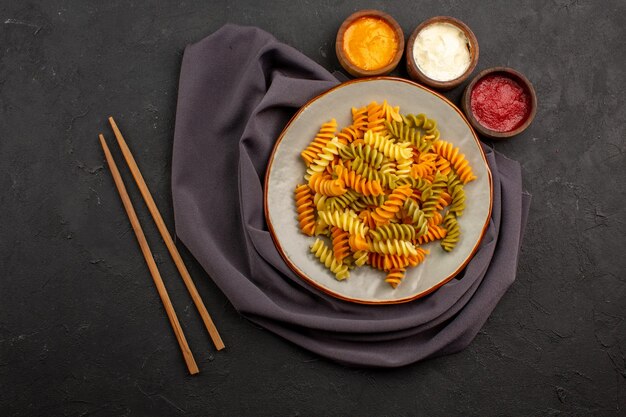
x=82, y=331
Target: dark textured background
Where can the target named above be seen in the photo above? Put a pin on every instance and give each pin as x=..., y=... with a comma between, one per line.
x=82, y=330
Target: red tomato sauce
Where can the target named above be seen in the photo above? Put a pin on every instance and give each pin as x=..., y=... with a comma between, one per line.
x=500, y=103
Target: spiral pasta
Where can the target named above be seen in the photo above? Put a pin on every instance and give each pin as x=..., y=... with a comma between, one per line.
x=368, y=154
x=393, y=231
x=433, y=233
x=324, y=158
x=325, y=134
x=384, y=213
x=375, y=117
x=420, y=121
x=383, y=144
x=457, y=196
x=385, y=179
x=327, y=186
x=415, y=217
x=341, y=246
x=325, y=255
x=346, y=220
x=393, y=247
x=453, y=232
x=305, y=209
x=357, y=182
x=341, y=201
x=456, y=159
x=378, y=189
x=395, y=276
x=386, y=262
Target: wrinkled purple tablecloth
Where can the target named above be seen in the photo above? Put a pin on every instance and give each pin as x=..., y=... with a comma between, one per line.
x=238, y=89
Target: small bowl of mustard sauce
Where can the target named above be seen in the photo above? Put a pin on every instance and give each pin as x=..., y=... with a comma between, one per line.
x=369, y=43
x=441, y=52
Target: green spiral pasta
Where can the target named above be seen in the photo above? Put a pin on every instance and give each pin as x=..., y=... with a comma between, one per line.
x=376, y=201
x=430, y=196
x=403, y=133
x=359, y=205
x=342, y=201
x=368, y=154
x=417, y=217
x=453, y=232
x=362, y=168
x=393, y=231
x=420, y=121
x=417, y=183
x=455, y=189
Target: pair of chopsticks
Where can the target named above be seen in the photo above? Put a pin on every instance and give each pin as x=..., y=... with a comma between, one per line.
x=147, y=253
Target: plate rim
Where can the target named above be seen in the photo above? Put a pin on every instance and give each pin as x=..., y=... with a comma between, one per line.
x=321, y=287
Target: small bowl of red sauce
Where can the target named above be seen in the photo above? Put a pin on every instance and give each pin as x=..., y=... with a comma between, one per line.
x=499, y=103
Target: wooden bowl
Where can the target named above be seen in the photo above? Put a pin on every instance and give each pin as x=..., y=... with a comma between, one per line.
x=466, y=104
x=355, y=70
x=411, y=64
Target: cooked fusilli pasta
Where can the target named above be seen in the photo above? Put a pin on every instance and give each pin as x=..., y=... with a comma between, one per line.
x=378, y=189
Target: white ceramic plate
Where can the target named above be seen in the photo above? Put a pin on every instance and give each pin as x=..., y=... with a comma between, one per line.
x=286, y=169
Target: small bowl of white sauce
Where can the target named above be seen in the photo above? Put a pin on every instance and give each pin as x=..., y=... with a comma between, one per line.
x=441, y=52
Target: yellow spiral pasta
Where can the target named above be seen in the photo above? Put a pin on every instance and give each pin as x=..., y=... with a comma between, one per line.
x=387, y=147
x=403, y=168
x=360, y=257
x=318, y=166
x=325, y=255
x=345, y=220
x=393, y=247
x=378, y=189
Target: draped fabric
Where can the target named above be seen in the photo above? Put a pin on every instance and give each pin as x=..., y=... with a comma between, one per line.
x=238, y=89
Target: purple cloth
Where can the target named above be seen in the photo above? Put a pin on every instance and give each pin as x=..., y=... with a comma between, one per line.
x=238, y=89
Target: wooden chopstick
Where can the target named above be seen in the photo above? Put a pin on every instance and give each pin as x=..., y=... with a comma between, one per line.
x=156, y=215
x=147, y=254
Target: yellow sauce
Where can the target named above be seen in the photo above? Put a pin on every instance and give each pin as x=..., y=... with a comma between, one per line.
x=370, y=43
